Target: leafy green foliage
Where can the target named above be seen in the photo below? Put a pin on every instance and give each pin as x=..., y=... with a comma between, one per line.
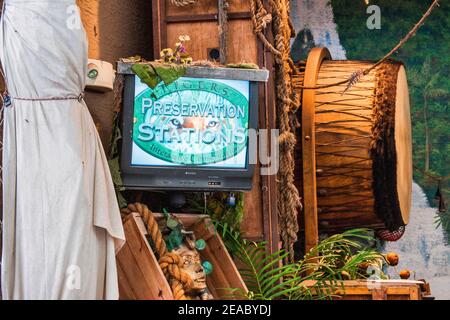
x=153, y=73
x=217, y=208
x=114, y=162
x=316, y=276
x=443, y=220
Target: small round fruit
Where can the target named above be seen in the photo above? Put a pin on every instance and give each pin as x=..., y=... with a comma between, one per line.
x=363, y=266
x=392, y=259
x=405, y=274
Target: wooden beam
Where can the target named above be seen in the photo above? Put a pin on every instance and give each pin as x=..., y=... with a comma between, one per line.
x=206, y=17
x=269, y=183
x=156, y=17
x=223, y=30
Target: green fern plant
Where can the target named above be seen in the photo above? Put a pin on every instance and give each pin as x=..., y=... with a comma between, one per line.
x=316, y=276
x=219, y=211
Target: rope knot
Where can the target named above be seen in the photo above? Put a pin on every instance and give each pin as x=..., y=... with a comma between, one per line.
x=171, y=265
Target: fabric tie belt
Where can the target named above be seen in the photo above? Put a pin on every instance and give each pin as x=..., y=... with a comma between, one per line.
x=7, y=99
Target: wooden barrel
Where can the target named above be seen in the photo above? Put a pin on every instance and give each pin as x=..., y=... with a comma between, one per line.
x=363, y=146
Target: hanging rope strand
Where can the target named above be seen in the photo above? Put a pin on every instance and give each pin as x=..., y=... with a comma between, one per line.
x=287, y=105
x=183, y=3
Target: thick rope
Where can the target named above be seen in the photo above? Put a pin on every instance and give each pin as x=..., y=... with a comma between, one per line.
x=183, y=3
x=171, y=263
x=261, y=18
x=151, y=224
x=172, y=266
x=287, y=105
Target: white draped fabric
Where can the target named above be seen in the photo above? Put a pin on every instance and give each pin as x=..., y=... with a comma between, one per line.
x=61, y=222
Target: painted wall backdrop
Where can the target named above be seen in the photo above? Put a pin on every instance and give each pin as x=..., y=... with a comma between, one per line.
x=342, y=25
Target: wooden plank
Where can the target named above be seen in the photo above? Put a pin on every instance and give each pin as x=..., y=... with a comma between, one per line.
x=147, y=262
x=157, y=34
x=242, y=42
x=414, y=294
x=125, y=290
x=225, y=265
x=217, y=281
x=269, y=183
x=239, y=5
x=139, y=264
x=361, y=290
x=206, y=17
x=223, y=30
x=204, y=35
x=206, y=7
x=379, y=294
x=133, y=274
x=354, y=291
x=253, y=224
x=212, y=73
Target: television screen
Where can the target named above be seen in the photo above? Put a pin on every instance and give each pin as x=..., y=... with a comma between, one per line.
x=193, y=122
x=192, y=134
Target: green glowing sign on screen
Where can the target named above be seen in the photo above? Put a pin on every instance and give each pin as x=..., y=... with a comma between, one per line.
x=191, y=122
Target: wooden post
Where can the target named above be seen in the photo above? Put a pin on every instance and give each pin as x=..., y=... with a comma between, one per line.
x=223, y=30
x=315, y=59
x=159, y=27
x=269, y=183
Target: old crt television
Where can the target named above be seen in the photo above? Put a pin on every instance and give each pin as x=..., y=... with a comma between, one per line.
x=189, y=135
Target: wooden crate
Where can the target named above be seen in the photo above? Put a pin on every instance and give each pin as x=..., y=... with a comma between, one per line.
x=140, y=277
x=389, y=290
